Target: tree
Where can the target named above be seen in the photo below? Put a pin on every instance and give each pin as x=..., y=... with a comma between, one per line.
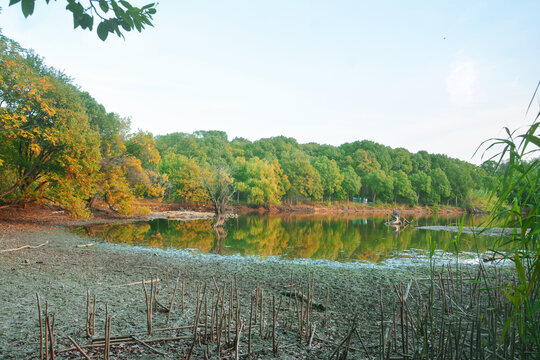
x=440, y=186
x=261, y=181
x=364, y=162
x=459, y=176
x=421, y=161
x=403, y=190
x=330, y=175
x=142, y=146
x=352, y=183
x=128, y=162
x=113, y=16
x=401, y=160
x=304, y=179
x=421, y=183
x=217, y=182
x=179, y=143
x=48, y=148
x=378, y=183
x=184, y=176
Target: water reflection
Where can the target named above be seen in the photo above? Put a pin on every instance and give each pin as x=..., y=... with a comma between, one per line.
x=339, y=238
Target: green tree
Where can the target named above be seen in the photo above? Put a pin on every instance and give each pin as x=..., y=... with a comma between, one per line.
x=421, y=183
x=260, y=181
x=421, y=161
x=378, y=183
x=403, y=190
x=401, y=160
x=179, y=143
x=364, y=162
x=272, y=148
x=142, y=146
x=440, y=186
x=352, y=183
x=330, y=175
x=184, y=176
x=113, y=16
x=304, y=179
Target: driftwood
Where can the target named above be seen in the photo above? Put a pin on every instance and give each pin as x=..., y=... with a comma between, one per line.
x=24, y=247
x=85, y=245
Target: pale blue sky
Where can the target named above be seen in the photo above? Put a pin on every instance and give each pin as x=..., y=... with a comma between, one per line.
x=440, y=76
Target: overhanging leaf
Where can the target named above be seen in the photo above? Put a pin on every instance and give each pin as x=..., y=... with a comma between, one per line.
x=103, y=30
x=27, y=7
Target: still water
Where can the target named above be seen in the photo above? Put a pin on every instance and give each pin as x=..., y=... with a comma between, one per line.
x=330, y=237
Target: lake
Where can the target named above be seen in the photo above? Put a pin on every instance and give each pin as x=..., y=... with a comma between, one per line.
x=341, y=238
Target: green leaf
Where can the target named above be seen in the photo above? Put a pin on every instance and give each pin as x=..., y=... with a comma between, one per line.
x=505, y=329
x=87, y=21
x=520, y=269
x=76, y=21
x=103, y=30
x=28, y=7
x=13, y=2
x=118, y=11
x=126, y=4
x=125, y=25
x=104, y=5
x=148, y=6
x=127, y=22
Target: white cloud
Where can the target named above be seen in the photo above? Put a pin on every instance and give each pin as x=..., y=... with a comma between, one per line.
x=461, y=81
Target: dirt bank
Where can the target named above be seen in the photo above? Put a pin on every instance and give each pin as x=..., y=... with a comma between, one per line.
x=308, y=208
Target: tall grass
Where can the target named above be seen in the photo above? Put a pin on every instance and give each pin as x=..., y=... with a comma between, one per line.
x=518, y=191
x=486, y=314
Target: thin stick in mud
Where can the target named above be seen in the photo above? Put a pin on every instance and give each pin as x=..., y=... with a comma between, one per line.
x=40, y=328
x=172, y=300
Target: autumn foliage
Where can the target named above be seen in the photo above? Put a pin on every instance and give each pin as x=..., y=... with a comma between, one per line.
x=59, y=146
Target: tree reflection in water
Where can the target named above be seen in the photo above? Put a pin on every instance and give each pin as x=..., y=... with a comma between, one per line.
x=331, y=237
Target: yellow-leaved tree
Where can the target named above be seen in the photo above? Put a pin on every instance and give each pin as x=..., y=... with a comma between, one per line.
x=49, y=152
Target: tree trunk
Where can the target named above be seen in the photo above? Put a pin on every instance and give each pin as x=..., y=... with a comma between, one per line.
x=220, y=218
x=92, y=202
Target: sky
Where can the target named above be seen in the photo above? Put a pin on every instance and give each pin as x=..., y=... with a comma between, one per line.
x=440, y=76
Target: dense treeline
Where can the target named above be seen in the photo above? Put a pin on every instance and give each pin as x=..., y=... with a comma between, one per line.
x=269, y=171
x=59, y=146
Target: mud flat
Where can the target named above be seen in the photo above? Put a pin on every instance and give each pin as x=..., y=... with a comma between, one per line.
x=62, y=273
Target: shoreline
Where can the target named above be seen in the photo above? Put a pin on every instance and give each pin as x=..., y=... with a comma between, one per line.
x=62, y=273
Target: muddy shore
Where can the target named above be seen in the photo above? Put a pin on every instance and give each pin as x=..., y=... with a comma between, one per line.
x=62, y=274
